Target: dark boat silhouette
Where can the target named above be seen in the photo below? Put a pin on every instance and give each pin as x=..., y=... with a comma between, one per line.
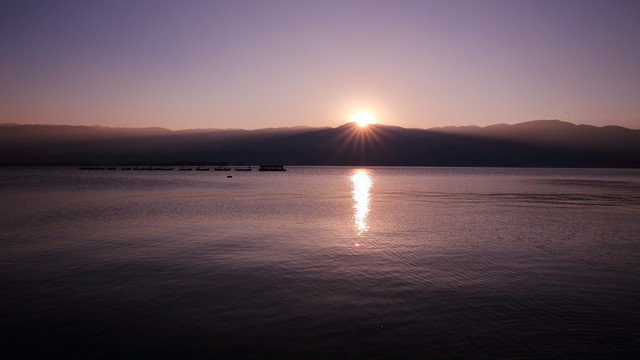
x=220, y=168
x=166, y=169
x=125, y=168
x=243, y=169
x=185, y=169
x=202, y=169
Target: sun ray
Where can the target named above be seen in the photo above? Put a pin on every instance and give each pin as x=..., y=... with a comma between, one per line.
x=363, y=145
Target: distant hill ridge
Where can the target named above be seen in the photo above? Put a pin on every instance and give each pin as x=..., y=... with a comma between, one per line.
x=544, y=143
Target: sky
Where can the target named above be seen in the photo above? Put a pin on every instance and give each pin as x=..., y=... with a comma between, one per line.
x=256, y=64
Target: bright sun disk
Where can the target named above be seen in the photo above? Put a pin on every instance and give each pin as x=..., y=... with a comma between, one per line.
x=363, y=118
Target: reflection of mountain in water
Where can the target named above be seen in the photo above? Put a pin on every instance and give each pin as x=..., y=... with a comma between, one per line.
x=535, y=143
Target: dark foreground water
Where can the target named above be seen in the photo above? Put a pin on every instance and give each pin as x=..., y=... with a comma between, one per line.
x=379, y=263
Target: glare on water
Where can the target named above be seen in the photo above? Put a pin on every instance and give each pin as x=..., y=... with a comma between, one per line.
x=362, y=183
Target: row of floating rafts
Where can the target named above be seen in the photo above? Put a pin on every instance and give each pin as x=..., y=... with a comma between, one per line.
x=272, y=168
x=182, y=168
x=125, y=168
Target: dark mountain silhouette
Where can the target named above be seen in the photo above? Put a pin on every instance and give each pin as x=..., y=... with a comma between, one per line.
x=543, y=143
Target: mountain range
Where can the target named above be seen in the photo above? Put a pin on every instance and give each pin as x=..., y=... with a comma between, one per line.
x=540, y=143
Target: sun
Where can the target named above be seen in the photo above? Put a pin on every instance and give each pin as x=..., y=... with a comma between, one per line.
x=363, y=118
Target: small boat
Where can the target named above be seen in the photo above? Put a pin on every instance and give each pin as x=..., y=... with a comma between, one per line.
x=202, y=169
x=272, y=168
x=125, y=168
x=153, y=168
x=182, y=168
x=139, y=168
x=220, y=168
x=166, y=169
x=243, y=169
x=111, y=168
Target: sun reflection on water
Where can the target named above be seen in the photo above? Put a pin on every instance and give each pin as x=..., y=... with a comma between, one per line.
x=361, y=182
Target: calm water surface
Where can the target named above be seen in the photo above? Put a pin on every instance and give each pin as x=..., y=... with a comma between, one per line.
x=380, y=263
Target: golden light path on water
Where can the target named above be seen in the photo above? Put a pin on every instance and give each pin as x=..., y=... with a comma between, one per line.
x=361, y=182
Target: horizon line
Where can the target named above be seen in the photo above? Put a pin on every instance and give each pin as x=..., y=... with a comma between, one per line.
x=311, y=127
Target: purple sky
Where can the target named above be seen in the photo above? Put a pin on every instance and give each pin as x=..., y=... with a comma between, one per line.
x=255, y=64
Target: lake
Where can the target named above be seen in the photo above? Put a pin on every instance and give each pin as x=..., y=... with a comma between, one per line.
x=320, y=262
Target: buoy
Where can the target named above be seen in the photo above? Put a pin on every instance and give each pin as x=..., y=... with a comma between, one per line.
x=229, y=176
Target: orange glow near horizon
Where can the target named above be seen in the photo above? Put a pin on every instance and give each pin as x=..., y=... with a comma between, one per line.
x=363, y=118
